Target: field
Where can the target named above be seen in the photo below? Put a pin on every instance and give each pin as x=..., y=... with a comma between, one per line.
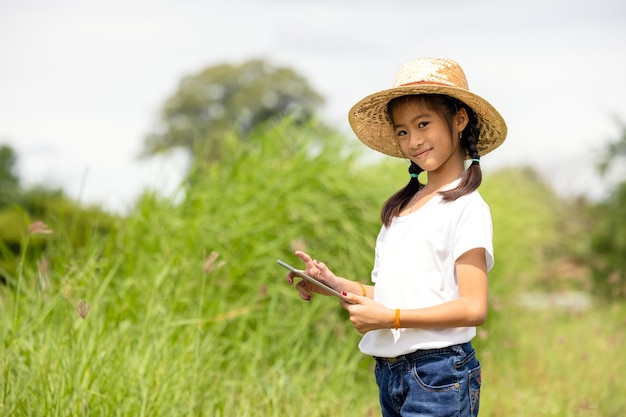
x=181, y=310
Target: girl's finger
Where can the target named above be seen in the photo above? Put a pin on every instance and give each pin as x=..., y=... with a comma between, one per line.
x=320, y=265
x=304, y=256
x=303, y=291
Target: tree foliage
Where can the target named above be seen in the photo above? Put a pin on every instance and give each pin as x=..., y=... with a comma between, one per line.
x=9, y=182
x=615, y=152
x=608, y=244
x=225, y=98
x=608, y=235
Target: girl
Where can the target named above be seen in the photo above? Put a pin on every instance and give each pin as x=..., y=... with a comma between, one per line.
x=434, y=249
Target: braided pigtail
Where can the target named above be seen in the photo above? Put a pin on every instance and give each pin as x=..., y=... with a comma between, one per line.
x=473, y=176
x=394, y=205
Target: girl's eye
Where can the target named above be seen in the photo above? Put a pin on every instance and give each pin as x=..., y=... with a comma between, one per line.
x=422, y=125
x=401, y=133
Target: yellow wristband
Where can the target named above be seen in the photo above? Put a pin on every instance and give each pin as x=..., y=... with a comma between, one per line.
x=396, y=319
x=363, y=289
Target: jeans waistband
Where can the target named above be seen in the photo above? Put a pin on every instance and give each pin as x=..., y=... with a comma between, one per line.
x=466, y=347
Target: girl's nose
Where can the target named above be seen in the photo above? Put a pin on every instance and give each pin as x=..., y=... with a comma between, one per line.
x=415, y=141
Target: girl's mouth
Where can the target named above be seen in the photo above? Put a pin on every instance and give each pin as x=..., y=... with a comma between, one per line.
x=422, y=154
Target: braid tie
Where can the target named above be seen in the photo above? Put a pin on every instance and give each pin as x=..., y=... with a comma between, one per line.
x=414, y=170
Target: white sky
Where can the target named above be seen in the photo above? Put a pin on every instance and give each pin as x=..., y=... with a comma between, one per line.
x=81, y=82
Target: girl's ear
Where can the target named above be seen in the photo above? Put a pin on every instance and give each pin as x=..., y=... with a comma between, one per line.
x=461, y=119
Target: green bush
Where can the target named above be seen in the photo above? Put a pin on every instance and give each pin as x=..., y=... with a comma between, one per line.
x=608, y=245
x=74, y=224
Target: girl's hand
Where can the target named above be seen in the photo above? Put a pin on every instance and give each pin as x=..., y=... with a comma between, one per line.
x=317, y=270
x=367, y=314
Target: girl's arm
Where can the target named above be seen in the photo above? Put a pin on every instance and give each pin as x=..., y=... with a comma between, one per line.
x=470, y=309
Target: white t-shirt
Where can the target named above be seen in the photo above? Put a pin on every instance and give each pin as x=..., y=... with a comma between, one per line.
x=415, y=268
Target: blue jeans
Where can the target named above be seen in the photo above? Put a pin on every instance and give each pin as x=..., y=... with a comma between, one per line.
x=430, y=383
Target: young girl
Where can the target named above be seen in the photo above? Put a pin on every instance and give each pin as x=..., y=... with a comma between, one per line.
x=434, y=249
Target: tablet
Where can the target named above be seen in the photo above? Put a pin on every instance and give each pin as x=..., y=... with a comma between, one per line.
x=313, y=280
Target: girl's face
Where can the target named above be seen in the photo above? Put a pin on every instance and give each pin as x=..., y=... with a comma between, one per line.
x=425, y=136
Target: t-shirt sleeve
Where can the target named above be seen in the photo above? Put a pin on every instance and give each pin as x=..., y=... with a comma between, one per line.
x=474, y=230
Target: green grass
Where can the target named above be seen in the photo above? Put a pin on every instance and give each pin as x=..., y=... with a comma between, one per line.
x=188, y=314
x=555, y=363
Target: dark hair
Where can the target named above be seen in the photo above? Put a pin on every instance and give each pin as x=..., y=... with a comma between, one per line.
x=447, y=107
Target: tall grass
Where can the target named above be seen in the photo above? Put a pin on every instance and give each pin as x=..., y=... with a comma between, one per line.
x=182, y=311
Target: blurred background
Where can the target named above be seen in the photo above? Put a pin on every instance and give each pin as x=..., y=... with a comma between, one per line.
x=156, y=157
x=83, y=83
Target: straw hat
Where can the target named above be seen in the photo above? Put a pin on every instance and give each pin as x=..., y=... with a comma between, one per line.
x=371, y=122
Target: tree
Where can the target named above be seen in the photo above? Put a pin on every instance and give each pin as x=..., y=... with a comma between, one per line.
x=614, y=152
x=608, y=236
x=226, y=97
x=9, y=182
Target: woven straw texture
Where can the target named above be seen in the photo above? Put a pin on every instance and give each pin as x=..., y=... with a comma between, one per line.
x=372, y=125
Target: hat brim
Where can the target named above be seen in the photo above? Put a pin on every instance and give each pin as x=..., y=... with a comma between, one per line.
x=372, y=125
